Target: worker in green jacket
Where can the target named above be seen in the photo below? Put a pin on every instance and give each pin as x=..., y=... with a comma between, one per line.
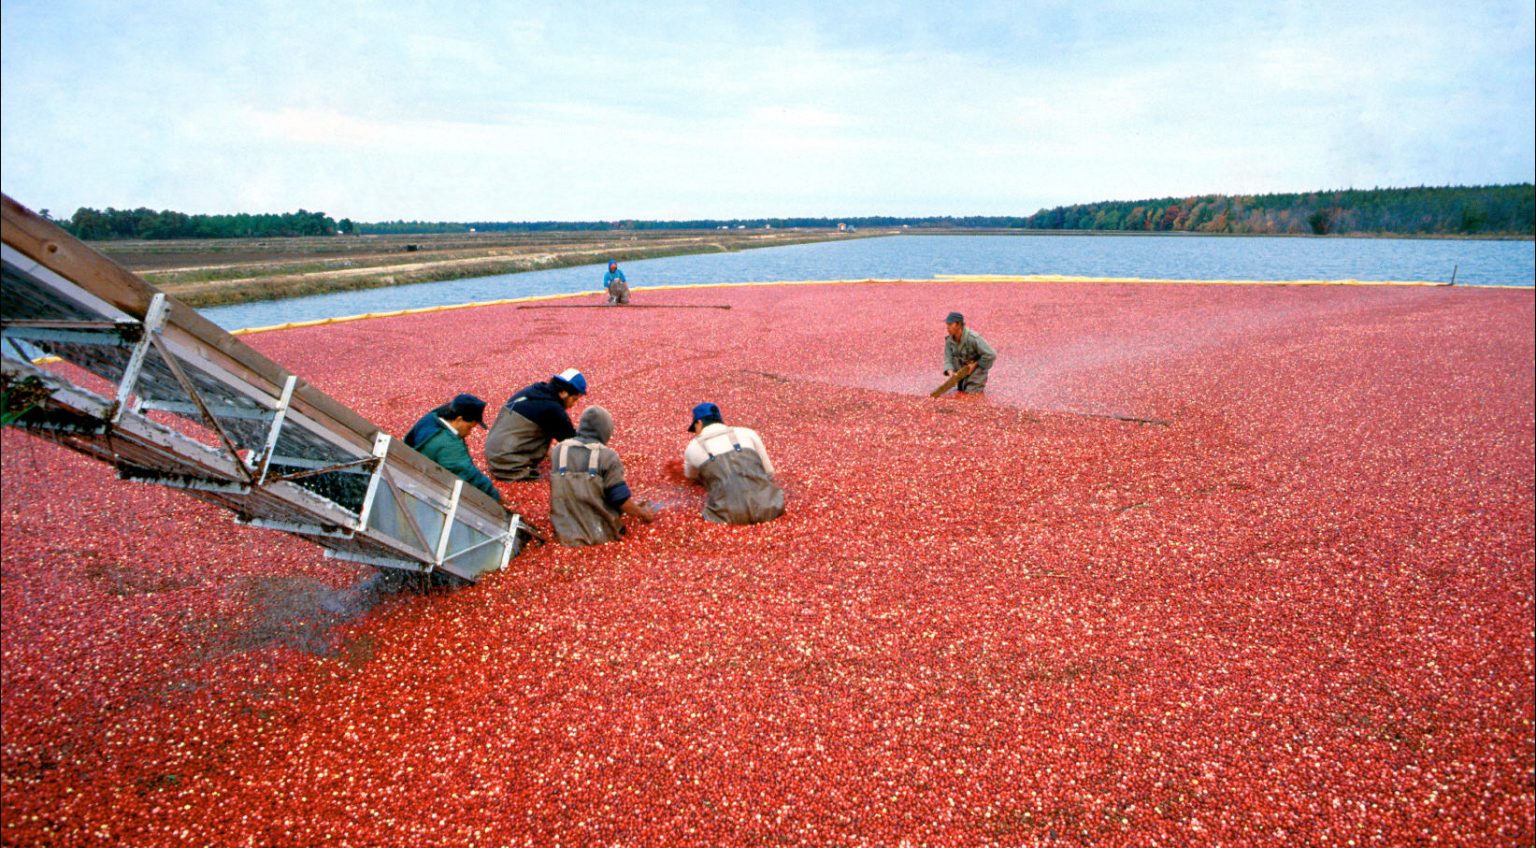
x=440, y=436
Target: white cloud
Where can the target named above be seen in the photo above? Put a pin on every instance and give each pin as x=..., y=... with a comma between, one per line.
x=621, y=110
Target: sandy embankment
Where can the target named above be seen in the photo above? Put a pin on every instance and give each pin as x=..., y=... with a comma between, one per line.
x=238, y=270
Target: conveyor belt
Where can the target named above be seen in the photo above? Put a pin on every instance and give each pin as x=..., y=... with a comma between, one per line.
x=167, y=397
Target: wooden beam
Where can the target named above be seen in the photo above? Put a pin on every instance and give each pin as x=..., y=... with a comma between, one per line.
x=626, y=306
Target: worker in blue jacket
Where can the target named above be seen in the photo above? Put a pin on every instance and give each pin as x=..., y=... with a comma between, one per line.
x=440, y=436
x=614, y=282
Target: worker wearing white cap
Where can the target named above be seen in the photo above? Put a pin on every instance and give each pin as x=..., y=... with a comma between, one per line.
x=734, y=467
x=529, y=421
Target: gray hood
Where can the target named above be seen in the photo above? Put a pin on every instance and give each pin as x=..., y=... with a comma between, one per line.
x=596, y=423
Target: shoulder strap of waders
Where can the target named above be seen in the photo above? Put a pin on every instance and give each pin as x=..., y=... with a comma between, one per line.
x=735, y=446
x=562, y=457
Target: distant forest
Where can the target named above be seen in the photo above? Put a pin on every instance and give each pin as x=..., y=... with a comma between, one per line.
x=1505, y=210
x=141, y=223
x=1472, y=210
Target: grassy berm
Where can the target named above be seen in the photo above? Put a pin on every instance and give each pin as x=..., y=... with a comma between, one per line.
x=219, y=271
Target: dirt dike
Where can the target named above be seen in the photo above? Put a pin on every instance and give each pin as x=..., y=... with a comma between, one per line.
x=212, y=273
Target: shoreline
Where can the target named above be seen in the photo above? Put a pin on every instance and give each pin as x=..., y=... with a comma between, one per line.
x=254, y=270
x=211, y=273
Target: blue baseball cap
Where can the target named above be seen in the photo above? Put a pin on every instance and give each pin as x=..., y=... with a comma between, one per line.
x=572, y=379
x=954, y=318
x=469, y=408
x=704, y=412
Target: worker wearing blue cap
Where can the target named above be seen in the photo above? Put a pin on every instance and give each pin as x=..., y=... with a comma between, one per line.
x=966, y=351
x=441, y=436
x=530, y=420
x=614, y=282
x=735, y=469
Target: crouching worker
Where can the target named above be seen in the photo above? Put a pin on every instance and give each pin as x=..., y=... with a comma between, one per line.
x=531, y=419
x=966, y=351
x=588, y=497
x=734, y=467
x=440, y=436
x=614, y=282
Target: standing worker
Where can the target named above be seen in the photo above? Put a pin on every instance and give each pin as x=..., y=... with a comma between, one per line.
x=734, y=467
x=531, y=419
x=614, y=282
x=966, y=351
x=441, y=436
x=588, y=497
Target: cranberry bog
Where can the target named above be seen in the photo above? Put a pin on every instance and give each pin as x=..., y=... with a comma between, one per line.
x=1208, y=564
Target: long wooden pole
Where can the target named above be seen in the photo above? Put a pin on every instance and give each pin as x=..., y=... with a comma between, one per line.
x=626, y=306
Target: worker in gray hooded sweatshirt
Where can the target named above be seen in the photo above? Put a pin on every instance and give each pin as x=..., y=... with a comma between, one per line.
x=734, y=466
x=587, y=493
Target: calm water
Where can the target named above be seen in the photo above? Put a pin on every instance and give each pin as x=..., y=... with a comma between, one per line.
x=1502, y=263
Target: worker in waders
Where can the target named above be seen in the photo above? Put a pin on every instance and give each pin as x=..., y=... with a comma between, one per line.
x=734, y=467
x=588, y=497
x=614, y=282
x=966, y=350
x=441, y=436
x=528, y=422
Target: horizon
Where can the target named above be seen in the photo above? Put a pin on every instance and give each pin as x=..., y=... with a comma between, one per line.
x=829, y=218
x=675, y=112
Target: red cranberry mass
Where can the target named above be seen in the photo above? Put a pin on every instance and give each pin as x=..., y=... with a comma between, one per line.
x=1206, y=565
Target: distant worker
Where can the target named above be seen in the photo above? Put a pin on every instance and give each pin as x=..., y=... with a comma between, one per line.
x=441, y=436
x=528, y=422
x=614, y=282
x=966, y=351
x=588, y=497
x=734, y=467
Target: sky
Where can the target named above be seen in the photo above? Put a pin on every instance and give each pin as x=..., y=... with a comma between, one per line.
x=511, y=111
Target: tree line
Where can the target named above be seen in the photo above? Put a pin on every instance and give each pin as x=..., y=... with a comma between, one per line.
x=1497, y=210
x=1454, y=210
x=143, y=223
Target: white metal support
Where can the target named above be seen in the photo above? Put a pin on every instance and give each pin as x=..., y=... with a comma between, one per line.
x=380, y=449
x=154, y=317
x=277, y=428
x=509, y=541
x=453, y=511
x=293, y=527
x=382, y=562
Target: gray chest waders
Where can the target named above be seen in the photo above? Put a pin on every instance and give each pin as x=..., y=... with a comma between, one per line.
x=741, y=491
x=577, y=510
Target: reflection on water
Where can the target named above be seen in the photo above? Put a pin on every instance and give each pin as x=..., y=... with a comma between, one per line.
x=1177, y=257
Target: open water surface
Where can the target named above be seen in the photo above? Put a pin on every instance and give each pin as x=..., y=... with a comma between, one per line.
x=917, y=257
